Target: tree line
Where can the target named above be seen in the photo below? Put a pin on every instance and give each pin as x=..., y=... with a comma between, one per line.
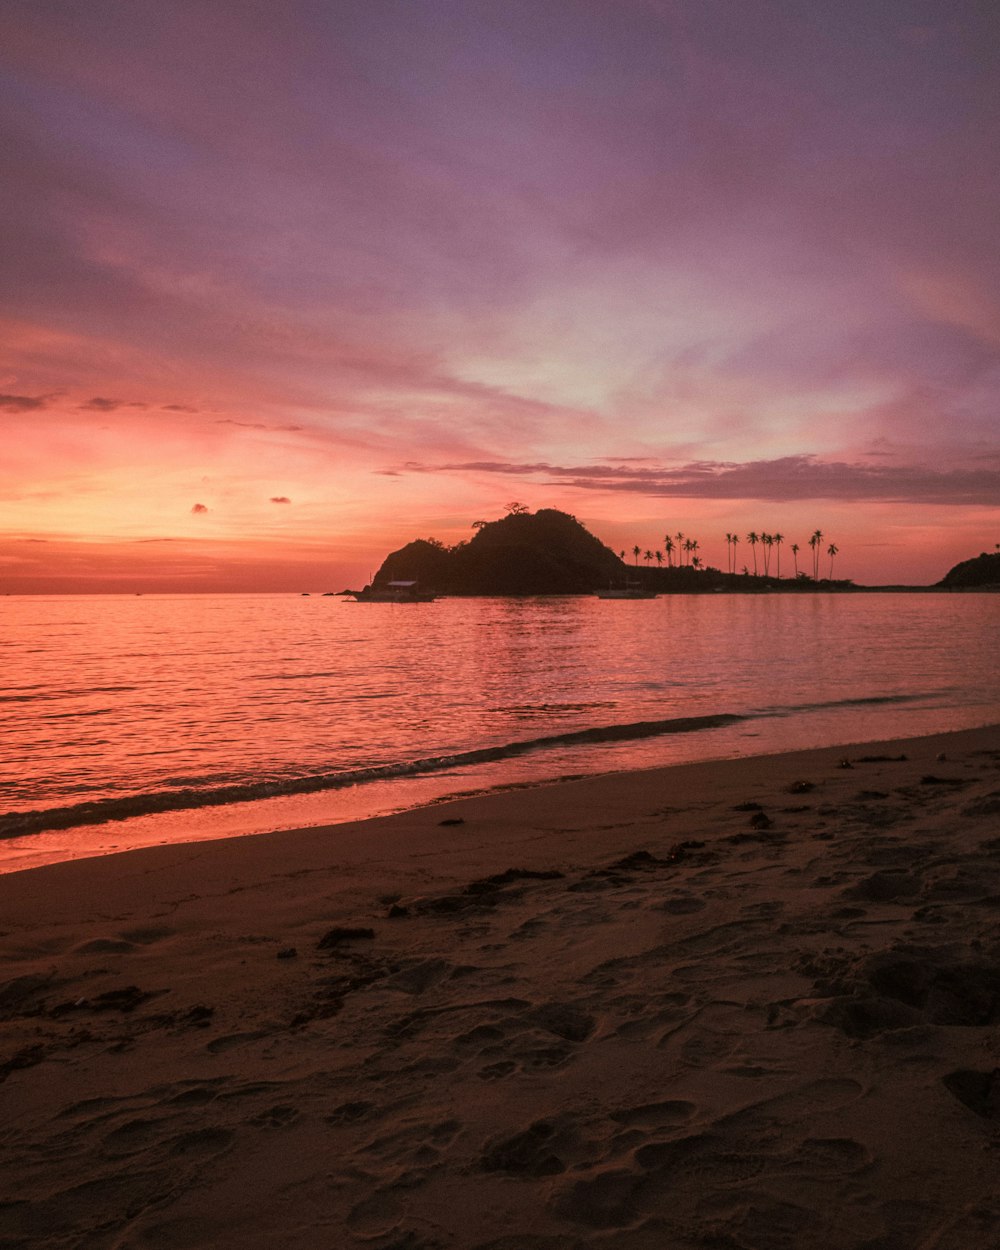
x=686, y=551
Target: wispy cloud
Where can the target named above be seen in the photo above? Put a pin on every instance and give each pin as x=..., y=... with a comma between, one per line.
x=787, y=479
x=199, y=507
x=23, y=403
x=280, y=499
x=259, y=425
x=99, y=404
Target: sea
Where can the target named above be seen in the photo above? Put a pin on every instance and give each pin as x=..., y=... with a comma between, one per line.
x=130, y=721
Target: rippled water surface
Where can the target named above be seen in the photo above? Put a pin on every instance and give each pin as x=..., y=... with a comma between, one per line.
x=117, y=705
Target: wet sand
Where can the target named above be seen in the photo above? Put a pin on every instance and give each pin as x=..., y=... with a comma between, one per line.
x=738, y=1006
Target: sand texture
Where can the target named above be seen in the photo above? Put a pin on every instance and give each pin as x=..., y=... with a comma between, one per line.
x=738, y=1006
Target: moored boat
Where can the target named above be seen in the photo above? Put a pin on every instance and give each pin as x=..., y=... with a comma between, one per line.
x=631, y=590
x=392, y=592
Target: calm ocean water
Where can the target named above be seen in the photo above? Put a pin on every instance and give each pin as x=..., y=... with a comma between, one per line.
x=133, y=720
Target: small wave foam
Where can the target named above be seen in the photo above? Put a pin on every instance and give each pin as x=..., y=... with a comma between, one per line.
x=873, y=700
x=97, y=811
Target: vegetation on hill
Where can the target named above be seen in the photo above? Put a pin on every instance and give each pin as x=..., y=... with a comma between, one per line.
x=549, y=552
x=982, y=570
x=524, y=553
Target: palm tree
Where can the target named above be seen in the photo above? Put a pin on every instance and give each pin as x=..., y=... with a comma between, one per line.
x=753, y=539
x=659, y=559
x=767, y=542
x=795, y=558
x=736, y=539
x=831, y=551
x=637, y=552
x=648, y=557
x=729, y=553
x=680, y=546
x=689, y=547
x=668, y=547
x=778, y=540
x=696, y=561
x=815, y=542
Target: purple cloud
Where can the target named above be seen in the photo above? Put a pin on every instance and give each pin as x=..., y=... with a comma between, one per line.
x=259, y=425
x=98, y=404
x=783, y=480
x=23, y=403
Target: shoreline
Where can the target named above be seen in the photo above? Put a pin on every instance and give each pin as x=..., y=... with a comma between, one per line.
x=731, y=737
x=748, y=1002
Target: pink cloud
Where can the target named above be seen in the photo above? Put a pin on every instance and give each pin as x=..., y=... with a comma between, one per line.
x=23, y=403
x=784, y=480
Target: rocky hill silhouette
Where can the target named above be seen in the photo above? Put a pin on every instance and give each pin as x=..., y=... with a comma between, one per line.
x=524, y=553
x=981, y=570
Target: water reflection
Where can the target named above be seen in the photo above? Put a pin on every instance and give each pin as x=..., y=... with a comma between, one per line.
x=119, y=696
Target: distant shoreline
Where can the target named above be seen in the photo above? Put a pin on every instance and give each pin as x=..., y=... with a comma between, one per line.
x=784, y=588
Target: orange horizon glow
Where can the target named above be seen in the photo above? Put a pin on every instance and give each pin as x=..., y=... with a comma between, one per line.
x=281, y=296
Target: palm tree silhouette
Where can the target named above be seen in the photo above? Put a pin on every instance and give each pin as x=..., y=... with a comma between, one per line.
x=730, y=553
x=648, y=557
x=668, y=547
x=815, y=542
x=680, y=546
x=831, y=551
x=753, y=539
x=736, y=539
x=778, y=540
x=767, y=541
x=795, y=558
x=659, y=559
x=637, y=551
x=696, y=561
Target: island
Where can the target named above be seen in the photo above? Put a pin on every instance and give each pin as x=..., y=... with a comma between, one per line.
x=550, y=552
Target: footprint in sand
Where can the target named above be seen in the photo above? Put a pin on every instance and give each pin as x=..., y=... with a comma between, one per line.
x=131, y=1138
x=828, y=1156
x=232, y=1040
x=146, y=936
x=278, y=1116
x=104, y=946
x=527, y=1154
x=197, y=1093
x=349, y=1112
x=202, y=1143
x=826, y=1094
x=377, y=1215
x=656, y=1115
x=681, y=905
x=605, y=1199
x=420, y=976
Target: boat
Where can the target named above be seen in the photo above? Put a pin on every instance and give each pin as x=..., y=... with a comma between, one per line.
x=392, y=592
x=631, y=590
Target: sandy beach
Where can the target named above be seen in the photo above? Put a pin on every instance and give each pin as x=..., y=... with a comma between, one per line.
x=740, y=1006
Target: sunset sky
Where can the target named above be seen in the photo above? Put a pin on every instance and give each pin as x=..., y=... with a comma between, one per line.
x=286, y=285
